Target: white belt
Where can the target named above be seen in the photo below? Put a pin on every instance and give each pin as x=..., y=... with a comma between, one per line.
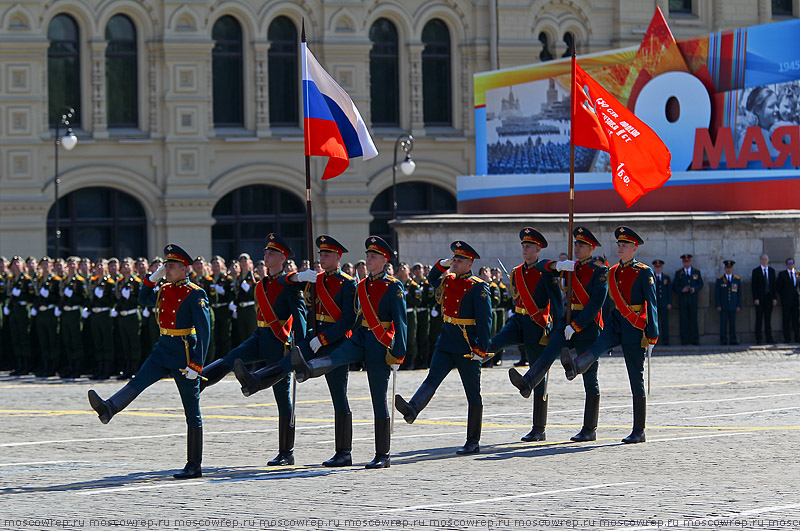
x=45, y=308
x=126, y=313
x=22, y=303
x=246, y=304
x=219, y=304
x=71, y=308
x=98, y=310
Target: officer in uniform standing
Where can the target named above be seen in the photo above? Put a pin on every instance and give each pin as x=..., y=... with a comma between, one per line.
x=74, y=296
x=243, y=305
x=20, y=296
x=281, y=317
x=664, y=300
x=500, y=310
x=224, y=290
x=413, y=303
x=45, y=308
x=537, y=297
x=98, y=313
x=687, y=283
x=589, y=290
x=380, y=341
x=335, y=317
x=728, y=297
x=467, y=325
x=182, y=310
x=633, y=323
x=128, y=319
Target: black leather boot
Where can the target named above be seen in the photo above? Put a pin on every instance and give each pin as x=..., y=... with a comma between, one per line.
x=253, y=382
x=639, y=416
x=591, y=411
x=344, y=441
x=309, y=369
x=214, y=372
x=108, y=408
x=577, y=365
x=383, y=441
x=285, y=443
x=194, y=453
x=474, y=423
x=539, y=420
x=526, y=382
x=411, y=409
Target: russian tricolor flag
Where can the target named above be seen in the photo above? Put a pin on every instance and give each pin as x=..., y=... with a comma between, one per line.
x=333, y=126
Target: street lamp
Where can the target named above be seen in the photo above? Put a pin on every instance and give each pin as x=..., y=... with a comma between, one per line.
x=406, y=143
x=68, y=141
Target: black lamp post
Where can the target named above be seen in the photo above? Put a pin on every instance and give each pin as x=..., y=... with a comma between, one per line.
x=68, y=141
x=406, y=143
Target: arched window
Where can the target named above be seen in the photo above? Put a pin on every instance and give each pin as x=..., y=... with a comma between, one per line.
x=383, y=74
x=226, y=64
x=569, y=41
x=245, y=216
x=436, y=82
x=283, y=73
x=545, y=54
x=414, y=198
x=63, y=69
x=99, y=222
x=122, y=88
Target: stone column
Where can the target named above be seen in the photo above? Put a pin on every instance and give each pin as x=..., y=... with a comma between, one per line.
x=99, y=117
x=415, y=82
x=261, y=51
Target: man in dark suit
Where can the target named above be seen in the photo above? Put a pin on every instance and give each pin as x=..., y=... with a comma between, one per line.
x=663, y=300
x=787, y=285
x=687, y=283
x=765, y=297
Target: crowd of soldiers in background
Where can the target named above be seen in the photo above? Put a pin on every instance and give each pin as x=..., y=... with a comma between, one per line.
x=74, y=318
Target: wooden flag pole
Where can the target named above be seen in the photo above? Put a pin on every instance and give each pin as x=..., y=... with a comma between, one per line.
x=573, y=104
x=309, y=216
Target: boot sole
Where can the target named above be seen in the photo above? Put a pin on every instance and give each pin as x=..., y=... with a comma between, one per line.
x=519, y=382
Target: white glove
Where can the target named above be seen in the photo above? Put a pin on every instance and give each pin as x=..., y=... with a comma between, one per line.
x=650, y=348
x=6, y=311
x=157, y=288
x=445, y=262
x=114, y=313
x=565, y=265
x=234, y=315
x=57, y=312
x=98, y=292
x=126, y=292
x=85, y=313
x=146, y=312
x=434, y=312
x=510, y=313
x=220, y=289
x=315, y=344
x=232, y=306
x=44, y=292
x=190, y=373
x=33, y=312
x=309, y=275
x=158, y=274
x=245, y=286
x=16, y=292
x=568, y=331
x=68, y=292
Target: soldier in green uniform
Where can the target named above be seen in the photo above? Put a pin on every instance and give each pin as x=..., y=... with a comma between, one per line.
x=494, y=293
x=46, y=298
x=423, y=316
x=728, y=297
x=413, y=303
x=98, y=313
x=5, y=347
x=244, y=304
x=126, y=291
x=150, y=331
x=119, y=357
x=203, y=279
x=20, y=296
x=74, y=295
x=221, y=294
x=435, y=320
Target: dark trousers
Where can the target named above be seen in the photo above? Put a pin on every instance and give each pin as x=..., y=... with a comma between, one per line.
x=47, y=332
x=688, y=313
x=790, y=322
x=336, y=379
x=423, y=341
x=634, y=354
x=580, y=341
x=71, y=335
x=264, y=346
x=19, y=324
x=102, y=335
x=468, y=369
x=763, y=315
x=222, y=331
x=727, y=326
x=663, y=325
x=521, y=330
x=128, y=326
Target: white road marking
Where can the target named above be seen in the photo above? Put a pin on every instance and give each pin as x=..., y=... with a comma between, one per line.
x=746, y=413
x=39, y=463
x=732, y=516
x=504, y=498
x=428, y=435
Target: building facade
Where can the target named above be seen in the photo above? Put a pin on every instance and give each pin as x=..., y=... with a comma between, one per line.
x=189, y=120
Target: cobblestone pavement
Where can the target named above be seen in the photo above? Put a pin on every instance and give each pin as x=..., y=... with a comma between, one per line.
x=723, y=432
